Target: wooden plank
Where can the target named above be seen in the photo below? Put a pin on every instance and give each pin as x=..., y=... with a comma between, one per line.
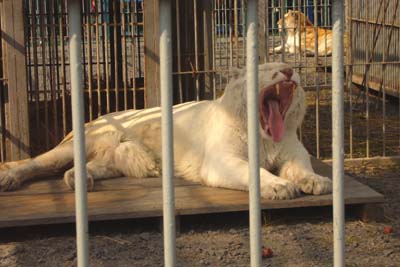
x=49, y=202
x=56, y=185
x=371, y=212
x=151, y=53
x=206, y=19
x=13, y=38
x=262, y=31
x=376, y=85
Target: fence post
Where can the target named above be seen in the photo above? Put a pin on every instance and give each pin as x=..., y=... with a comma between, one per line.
x=16, y=107
x=338, y=134
x=151, y=53
x=78, y=117
x=253, y=132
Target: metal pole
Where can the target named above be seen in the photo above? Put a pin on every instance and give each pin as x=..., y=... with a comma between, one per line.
x=338, y=133
x=167, y=133
x=253, y=133
x=74, y=12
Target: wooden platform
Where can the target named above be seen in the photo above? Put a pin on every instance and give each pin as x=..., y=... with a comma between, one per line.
x=50, y=201
x=375, y=85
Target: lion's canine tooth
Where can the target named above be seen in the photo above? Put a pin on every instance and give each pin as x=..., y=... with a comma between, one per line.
x=277, y=88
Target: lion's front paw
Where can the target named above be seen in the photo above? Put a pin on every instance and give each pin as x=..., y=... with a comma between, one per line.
x=315, y=184
x=279, y=189
x=9, y=181
x=69, y=179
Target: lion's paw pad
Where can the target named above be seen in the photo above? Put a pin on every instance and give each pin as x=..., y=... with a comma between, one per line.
x=69, y=179
x=9, y=181
x=279, y=190
x=315, y=184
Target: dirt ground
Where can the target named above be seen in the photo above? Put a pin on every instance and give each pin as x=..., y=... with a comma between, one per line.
x=301, y=238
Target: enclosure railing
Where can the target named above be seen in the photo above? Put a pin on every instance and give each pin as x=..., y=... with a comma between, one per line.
x=74, y=11
x=338, y=133
x=167, y=134
x=253, y=132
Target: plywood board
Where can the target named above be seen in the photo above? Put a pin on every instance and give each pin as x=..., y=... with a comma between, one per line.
x=50, y=201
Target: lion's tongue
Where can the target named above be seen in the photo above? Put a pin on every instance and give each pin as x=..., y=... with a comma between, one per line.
x=275, y=121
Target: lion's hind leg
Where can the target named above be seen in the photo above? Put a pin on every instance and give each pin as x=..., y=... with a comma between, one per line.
x=13, y=174
x=128, y=158
x=133, y=159
x=95, y=170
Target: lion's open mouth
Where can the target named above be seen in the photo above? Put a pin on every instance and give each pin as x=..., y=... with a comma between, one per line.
x=274, y=102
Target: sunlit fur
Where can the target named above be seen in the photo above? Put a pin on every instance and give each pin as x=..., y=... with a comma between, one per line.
x=301, y=35
x=210, y=146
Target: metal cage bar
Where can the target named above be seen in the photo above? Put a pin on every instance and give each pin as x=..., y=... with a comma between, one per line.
x=253, y=133
x=338, y=133
x=167, y=133
x=74, y=12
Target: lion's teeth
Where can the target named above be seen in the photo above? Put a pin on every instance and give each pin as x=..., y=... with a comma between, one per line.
x=277, y=88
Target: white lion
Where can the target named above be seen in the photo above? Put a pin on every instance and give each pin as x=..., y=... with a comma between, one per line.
x=210, y=142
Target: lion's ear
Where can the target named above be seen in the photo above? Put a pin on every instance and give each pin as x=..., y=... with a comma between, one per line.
x=235, y=72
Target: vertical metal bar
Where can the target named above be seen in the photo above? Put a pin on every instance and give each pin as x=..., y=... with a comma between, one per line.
x=44, y=70
x=282, y=35
x=178, y=48
x=167, y=133
x=89, y=53
x=236, y=28
x=243, y=25
x=226, y=33
x=229, y=7
x=35, y=63
x=115, y=46
x=74, y=12
x=124, y=53
x=253, y=133
x=51, y=46
x=367, y=66
x=104, y=12
x=63, y=71
x=349, y=71
x=98, y=73
x=213, y=36
x=338, y=134
x=133, y=48
x=196, y=51
x=316, y=78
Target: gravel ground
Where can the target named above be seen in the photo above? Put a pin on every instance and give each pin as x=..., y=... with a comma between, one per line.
x=301, y=238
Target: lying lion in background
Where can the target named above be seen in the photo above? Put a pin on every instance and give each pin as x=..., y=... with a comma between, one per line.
x=303, y=36
x=210, y=142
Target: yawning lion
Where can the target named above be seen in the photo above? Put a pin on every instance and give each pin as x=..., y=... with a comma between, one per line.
x=210, y=142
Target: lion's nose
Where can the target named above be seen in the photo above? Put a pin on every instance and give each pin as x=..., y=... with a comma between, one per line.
x=288, y=72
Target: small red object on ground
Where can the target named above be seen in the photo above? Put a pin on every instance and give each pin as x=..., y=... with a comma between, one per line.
x=267, y=252
x=388, y=230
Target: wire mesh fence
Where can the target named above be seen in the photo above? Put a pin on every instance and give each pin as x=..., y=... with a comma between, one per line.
x=208, y=41
x=112, y=46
